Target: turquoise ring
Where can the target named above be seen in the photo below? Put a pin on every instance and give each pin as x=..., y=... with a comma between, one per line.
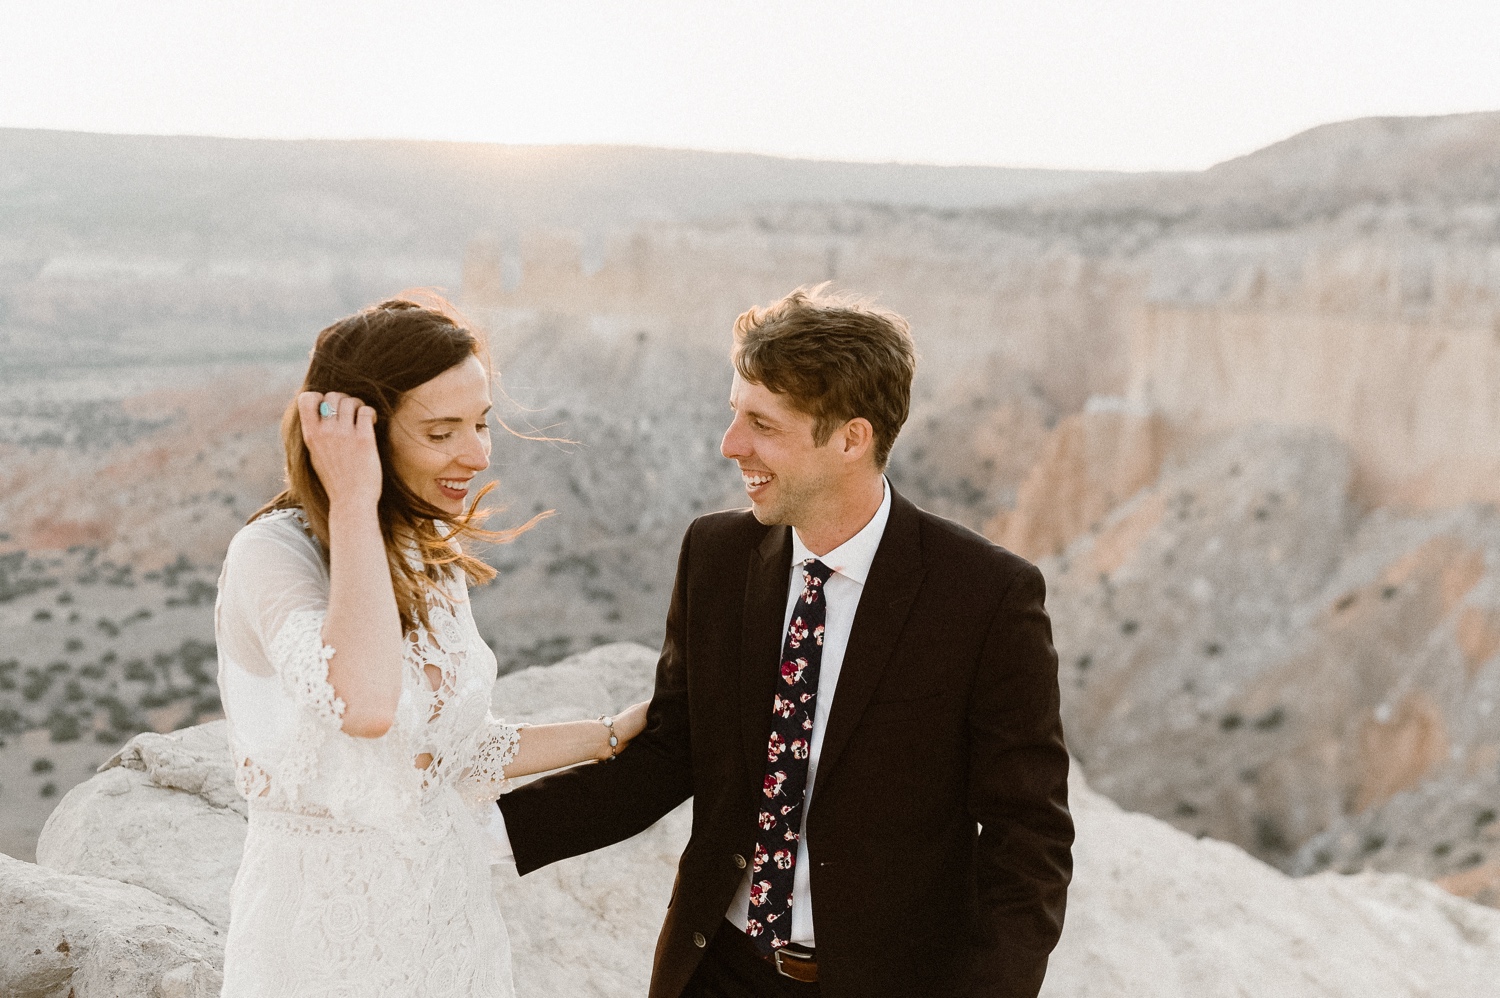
x=326, y=410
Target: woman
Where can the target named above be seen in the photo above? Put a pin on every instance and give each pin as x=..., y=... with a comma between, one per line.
x=357, y=688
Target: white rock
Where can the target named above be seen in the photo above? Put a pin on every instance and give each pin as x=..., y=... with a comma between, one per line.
x=87, y=937
x=163, y=815
x=1153, y=912
x=603, y=679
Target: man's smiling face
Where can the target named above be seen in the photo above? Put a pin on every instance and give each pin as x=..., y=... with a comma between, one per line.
x=788, y=476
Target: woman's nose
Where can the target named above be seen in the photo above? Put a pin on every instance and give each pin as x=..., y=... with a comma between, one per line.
x=476, y=456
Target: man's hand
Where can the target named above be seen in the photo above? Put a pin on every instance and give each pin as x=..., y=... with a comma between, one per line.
x=342, y=447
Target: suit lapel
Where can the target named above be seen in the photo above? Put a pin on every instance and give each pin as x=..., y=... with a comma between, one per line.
x=760, y=642
x=890, y=589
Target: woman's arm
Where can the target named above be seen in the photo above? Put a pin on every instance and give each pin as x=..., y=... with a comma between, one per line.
x=545, y=747
x=363, y=625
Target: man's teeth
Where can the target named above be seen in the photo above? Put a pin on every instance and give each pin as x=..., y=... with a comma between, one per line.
x=755, y=481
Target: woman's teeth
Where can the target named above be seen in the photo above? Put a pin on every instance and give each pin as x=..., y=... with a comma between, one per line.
x=454, y=486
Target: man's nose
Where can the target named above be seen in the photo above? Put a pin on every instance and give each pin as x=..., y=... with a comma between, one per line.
x=733, y=445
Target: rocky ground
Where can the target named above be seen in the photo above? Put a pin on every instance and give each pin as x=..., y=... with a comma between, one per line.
x=130, y=898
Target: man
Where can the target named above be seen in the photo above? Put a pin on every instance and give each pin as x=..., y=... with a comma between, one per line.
x=861, y=698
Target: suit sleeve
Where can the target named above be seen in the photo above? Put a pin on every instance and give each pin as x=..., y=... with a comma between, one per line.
x=1018, y=792
x=591, y=806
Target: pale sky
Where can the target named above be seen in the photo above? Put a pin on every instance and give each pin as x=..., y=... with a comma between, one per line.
x=1127, y=84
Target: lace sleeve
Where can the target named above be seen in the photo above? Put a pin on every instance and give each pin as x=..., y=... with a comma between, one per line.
x=300, y=659
x=285, y=720
x=495, y=748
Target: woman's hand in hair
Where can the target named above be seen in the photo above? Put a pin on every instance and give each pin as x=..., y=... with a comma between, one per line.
x=342, y=447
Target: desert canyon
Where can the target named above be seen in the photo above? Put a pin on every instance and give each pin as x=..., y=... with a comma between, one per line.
x=1246, y=420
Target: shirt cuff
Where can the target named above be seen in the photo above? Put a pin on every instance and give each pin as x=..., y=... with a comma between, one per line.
x=494, y=829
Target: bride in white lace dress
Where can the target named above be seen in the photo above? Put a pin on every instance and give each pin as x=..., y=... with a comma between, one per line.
x=357, y=688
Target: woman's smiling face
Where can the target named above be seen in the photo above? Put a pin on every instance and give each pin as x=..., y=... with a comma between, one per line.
x=440, y=435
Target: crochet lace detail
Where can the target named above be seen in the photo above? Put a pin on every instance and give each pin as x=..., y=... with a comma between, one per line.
x=366, y=864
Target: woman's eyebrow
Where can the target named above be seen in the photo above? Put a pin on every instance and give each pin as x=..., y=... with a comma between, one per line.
x=453, y=419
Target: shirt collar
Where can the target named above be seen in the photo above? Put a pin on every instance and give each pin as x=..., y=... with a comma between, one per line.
x=851, y=559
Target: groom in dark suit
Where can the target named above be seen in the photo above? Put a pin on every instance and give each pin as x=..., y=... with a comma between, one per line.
x=859, y=696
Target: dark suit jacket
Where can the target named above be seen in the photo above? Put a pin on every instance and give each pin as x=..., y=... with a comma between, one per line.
x=938, y=833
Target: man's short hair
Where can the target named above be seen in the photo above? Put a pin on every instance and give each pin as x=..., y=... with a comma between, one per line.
x=835, y=357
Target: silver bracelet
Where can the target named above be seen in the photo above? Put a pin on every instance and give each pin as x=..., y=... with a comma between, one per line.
x=614, y=740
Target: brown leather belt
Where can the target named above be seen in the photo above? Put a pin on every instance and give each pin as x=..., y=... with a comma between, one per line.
x=797, y=963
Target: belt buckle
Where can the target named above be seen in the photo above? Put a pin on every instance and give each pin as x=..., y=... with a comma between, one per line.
x=808, y=970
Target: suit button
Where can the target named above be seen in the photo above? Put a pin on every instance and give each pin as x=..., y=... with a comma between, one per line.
x=739, y=861
x=698, y=940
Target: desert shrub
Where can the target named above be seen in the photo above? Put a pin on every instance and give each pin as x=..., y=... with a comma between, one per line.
x=1269, y=836
x=49, y=789
x=120, y=717
x=200, y=660
x=36, y=684
x=42, y=765
x=73, y=644
x=63, y=727
x=197, y=593
x=1271, y=720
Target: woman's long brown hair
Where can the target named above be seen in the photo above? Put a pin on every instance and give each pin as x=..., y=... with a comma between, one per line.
x=377, y=355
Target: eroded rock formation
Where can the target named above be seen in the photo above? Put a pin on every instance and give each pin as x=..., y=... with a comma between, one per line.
x=1247, y=657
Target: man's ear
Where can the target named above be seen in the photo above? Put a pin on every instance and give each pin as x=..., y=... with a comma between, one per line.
x=858, y=437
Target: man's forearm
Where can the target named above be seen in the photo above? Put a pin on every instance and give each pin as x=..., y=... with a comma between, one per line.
x=592, y=806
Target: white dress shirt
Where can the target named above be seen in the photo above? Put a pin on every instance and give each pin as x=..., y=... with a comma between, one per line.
x=850, y=562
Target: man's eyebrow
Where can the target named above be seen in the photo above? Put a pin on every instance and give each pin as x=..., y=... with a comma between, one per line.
x=758, y=415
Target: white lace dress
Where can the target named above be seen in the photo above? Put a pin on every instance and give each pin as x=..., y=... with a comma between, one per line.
x=366, y=868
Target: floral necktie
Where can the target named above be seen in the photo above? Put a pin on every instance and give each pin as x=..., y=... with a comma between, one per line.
x=770, y=923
